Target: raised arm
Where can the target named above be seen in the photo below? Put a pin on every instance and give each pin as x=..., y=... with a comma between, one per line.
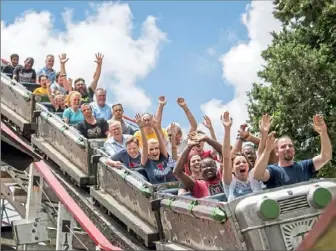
x=144, y=154
x=326, y=149
x=213, y=143
x=192, y=121
x=178, y=170
x=50, y=96
x=63, y=60
x=264, y=127
x=227, y=166
x=208, y=124
x=158, y=131
x=162, y=102
x=241, y=137
x=173, y=141
x=96, y=75
x=260, y=172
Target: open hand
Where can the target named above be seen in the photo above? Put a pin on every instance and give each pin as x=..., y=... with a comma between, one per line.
x=138, y=120
x=99, y=58
x=226, y=120
x=173, y=129
x=155, y=121
x=63, y=58
x=244, y=131
x=265, y=123
x=207, y=122
x=319, y=124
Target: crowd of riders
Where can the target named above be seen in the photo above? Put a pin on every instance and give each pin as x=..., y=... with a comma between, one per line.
x=252, y=163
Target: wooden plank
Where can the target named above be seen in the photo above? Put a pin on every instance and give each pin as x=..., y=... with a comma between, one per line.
x=133, y=222
x=73, y=171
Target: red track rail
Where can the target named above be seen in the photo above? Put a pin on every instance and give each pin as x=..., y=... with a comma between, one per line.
x=99, y=239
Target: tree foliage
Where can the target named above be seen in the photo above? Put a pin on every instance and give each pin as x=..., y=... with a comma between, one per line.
x=300, y=76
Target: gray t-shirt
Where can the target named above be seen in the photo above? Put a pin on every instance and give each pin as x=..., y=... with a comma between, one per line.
x=239, y=188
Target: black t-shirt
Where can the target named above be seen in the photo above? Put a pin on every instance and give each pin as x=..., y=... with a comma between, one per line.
x=8, y=70
x=96, y=131
x=88, y=98
x=25, y=75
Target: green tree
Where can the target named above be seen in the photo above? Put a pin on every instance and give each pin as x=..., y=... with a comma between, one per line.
x=300, y=76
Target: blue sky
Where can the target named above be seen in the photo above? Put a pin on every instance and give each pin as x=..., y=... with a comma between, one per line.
x=184, y=67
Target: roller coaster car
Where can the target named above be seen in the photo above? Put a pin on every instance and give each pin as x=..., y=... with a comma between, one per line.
x=276, y=219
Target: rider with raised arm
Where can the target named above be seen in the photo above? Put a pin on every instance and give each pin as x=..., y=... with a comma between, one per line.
x=211, y=183
x=88, y=92
x=154, y=157
x=181, y=144
x=237, y=177
x=287, y=171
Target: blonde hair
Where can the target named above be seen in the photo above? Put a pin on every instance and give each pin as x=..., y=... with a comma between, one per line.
x=153, y=141
x=71, y=95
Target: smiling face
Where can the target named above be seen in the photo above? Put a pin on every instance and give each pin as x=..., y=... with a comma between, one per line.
x=285, y=149
x=28, y=64
x=101, y=97
x=50, y=61
x=195, y=165
x=208, y=169
x=240, y=167
x=132, y=149
x=250, y=154
x=153, y=149
x=75, y=100
x=60, y=100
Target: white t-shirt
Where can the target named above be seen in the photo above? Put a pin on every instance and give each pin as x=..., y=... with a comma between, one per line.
x=239, y=188
x=180, y=148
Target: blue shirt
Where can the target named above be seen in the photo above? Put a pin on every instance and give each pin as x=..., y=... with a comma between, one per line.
x=50, y=73
x=111, y=146
x=127, y=160
x=298, y=172
x=74, y=117
x=160, y=171
x=101, y=112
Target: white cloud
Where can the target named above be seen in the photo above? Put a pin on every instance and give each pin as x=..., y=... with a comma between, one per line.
x=107, y=28
x=241, y=64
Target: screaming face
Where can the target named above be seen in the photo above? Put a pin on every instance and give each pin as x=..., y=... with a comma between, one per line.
x=240, y=167
x=153, y=150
